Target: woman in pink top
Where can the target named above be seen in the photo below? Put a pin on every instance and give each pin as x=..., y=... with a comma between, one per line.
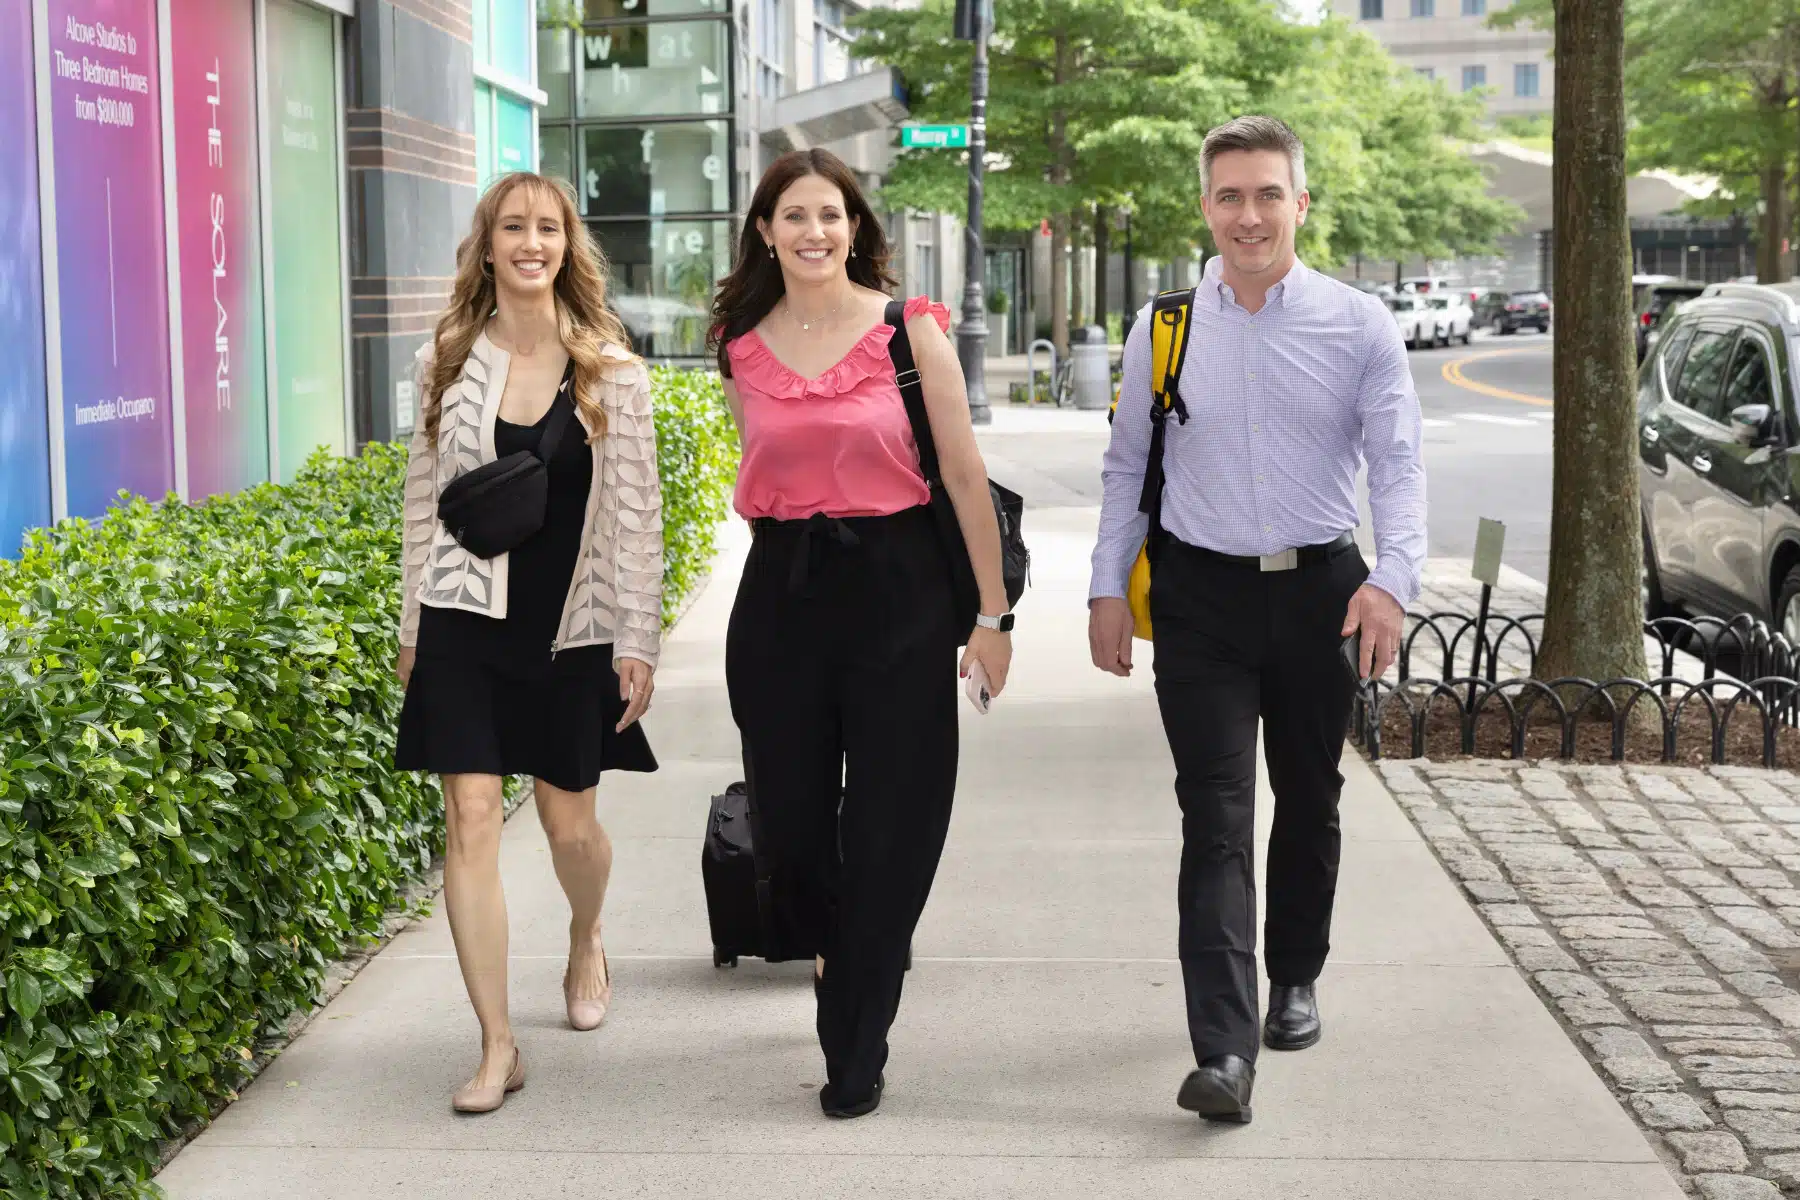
x=842, y=644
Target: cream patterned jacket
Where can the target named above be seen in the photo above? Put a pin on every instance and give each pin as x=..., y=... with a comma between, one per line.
x=616, y=593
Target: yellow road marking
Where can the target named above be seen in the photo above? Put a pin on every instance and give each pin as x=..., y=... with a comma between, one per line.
x=1453, y=373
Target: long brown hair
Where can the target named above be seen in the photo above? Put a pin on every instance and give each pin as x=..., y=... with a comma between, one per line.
x=747, y=294
x=584, y=324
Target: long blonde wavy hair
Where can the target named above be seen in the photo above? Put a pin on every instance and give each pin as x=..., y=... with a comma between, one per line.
x=584, y=324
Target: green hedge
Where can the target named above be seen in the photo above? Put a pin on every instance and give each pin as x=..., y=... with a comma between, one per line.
x=197, y=815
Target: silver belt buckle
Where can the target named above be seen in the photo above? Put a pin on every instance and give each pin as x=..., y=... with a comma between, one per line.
x=1284, y=560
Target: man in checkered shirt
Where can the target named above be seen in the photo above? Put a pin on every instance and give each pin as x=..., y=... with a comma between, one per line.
x=1261, y=604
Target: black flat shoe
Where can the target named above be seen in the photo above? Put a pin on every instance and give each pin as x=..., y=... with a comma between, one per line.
x=1293, y=1020
x=1220, y=1089
x=833, y=1108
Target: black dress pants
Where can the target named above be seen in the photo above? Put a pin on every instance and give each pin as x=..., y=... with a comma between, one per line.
x=841, y=665
x=1235, y=644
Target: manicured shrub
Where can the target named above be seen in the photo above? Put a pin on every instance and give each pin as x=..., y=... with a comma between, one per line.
x=197, y=812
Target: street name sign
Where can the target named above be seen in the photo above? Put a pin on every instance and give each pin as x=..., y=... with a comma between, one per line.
x=934, y=137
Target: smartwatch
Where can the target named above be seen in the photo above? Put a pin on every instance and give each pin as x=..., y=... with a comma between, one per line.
x=1002, y=623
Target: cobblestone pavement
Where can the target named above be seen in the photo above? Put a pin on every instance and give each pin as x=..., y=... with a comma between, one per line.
x=1447, y=587
x=1657, y=910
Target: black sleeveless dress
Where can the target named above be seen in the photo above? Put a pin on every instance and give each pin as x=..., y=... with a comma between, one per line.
x=486, y=696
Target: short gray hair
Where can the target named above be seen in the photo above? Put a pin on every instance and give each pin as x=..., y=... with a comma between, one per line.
x=1253, y=133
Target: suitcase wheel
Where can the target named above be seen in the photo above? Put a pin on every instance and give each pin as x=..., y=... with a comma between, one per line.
x=723, y=959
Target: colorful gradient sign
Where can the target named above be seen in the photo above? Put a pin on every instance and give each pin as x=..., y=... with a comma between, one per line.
x=304, y=197
x=224, y=383
x=111, y=272
x=24, y=415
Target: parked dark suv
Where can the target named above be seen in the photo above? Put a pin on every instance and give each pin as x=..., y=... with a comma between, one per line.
x=1509, y=312
x=1652, y=299
x=1719, y=451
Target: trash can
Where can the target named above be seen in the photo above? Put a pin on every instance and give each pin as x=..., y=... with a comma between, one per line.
x=1091, y=370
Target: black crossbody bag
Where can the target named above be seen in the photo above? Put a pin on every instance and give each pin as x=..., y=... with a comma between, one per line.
x=495, y=507
x=1009, y=506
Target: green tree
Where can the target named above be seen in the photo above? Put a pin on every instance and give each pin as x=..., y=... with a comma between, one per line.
x=1106, y=102
x=1712, y=88
x=1076, y=88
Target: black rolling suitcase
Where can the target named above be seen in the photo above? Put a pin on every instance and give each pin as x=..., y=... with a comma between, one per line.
x=739, y=887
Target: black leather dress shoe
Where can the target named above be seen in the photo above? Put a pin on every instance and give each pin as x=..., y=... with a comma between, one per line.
x=1293, y=1020
x=1220, y=1089
x=835, y=1106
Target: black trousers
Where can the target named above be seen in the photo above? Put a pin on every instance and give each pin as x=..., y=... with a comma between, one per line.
x=1235, y=644
x=841, y=666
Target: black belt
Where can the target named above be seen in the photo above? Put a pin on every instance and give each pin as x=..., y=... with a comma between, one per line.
x=1283, y=560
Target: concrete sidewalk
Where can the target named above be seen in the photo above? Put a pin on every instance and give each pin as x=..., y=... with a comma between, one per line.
x=1041, y=1039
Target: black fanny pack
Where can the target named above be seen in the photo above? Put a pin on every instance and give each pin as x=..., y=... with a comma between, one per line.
x=495, y=507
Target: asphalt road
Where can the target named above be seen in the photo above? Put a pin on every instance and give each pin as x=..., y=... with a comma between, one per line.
x=1487, y=445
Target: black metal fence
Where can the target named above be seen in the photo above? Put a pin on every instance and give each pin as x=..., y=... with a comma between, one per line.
x=1741, y=663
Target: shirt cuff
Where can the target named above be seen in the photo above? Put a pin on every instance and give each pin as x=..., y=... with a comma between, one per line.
x=1399, y=584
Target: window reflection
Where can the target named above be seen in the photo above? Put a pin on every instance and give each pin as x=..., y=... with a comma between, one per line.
x=675, y=167
x=672, y=67
x=663, y=275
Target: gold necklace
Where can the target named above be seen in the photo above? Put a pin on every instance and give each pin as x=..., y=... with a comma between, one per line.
x=807, y=325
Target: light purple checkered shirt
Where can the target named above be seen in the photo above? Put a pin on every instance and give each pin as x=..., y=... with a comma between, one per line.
x=1283, y=406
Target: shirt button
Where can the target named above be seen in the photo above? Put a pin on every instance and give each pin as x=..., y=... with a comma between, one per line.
x=1253, y=374
x=1256, y=428
x=1266, y=528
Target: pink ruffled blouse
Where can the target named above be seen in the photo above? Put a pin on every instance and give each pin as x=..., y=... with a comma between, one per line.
x=839, y=444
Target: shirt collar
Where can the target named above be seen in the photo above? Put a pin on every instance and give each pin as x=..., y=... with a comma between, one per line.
x=1217, y=294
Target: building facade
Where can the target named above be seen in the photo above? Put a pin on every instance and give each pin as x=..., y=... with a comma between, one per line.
x=226, y=226
x=1450, y=41
x=665, y=114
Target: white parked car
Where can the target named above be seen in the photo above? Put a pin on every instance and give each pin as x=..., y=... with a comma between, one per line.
x=1417, y=320
x=1456, y=320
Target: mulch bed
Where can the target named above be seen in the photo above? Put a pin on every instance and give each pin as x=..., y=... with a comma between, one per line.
x=1593, y=736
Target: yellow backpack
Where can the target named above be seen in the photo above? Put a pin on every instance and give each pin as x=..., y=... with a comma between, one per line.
x=1170, y=316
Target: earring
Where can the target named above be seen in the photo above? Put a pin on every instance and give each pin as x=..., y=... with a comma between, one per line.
x=852, y=249
x=771, y=252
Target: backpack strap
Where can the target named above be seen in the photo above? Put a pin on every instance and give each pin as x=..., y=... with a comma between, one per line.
x=560, y=416
x=912, y=391
x=1171, y=317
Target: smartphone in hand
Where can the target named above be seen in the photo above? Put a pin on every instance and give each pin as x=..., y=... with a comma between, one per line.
x=977, y=688
x=1350, y=653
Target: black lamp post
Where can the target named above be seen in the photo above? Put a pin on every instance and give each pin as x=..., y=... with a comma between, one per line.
x=974, y=20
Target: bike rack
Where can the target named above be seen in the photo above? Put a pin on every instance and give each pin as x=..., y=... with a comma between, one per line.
x=1031, y=369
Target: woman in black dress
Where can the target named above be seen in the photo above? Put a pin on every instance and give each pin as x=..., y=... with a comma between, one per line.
x=538, y=661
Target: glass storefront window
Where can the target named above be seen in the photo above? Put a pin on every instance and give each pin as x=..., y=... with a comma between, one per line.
x=667, y=68
x=616, y=10
x=511, y=23
x=675, y=167
x=553, y=153
x=484, y=135
x=663, y=274
x=556, y=70
x=512, y=134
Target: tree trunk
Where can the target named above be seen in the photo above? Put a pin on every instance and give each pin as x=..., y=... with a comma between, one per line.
x=1772, y=228
x=1102, y=217
x=1078, y=288
x=1594, y=615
